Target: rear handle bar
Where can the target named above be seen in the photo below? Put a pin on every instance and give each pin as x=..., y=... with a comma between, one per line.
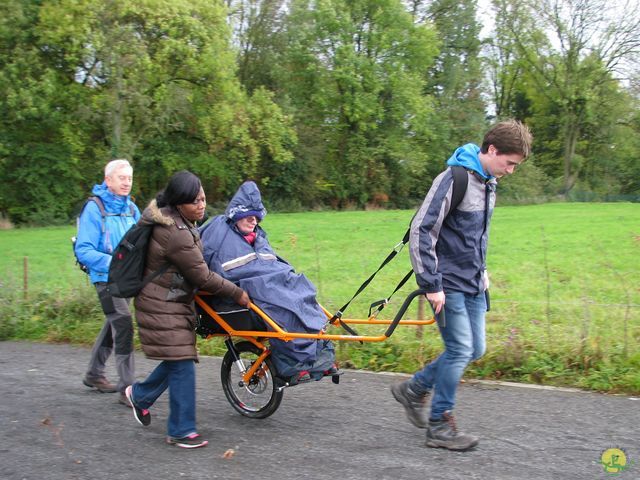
x=403, y=309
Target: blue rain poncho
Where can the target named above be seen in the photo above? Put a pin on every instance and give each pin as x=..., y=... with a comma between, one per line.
x=287, y=297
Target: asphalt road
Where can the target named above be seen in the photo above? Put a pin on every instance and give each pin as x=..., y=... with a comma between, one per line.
x=55, y=428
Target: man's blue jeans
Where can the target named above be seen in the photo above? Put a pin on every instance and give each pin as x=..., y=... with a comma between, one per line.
x=463, y=334
x=180, y=377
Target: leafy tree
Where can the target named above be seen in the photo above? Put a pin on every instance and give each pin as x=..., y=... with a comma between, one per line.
x=505, y=67
x=353, y=74
x=152, y=81
x=41, y=142
x=455, y=79
x=257, y=27
x=569, y=75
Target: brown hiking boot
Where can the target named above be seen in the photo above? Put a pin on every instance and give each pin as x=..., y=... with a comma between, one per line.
x=412, y=402
x=443, y=433
x=101, y=384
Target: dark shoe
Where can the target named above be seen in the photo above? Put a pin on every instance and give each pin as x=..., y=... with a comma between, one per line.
x=142, y=416
x=190, y=441
x=443, y=433
x=101, y=384
x=122, y=398
x=412, y=402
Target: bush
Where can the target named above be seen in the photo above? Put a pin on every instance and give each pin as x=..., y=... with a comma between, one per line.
x=47, y=315
x=530, y=185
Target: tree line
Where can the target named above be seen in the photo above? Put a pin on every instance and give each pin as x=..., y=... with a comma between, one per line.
x=326, y=103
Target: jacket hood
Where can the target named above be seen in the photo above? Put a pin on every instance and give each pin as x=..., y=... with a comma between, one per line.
x=154, y=214
x=468, y=157
x=112, y=203
x=246, y=199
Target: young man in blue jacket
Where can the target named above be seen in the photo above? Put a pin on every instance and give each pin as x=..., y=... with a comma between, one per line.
x=448, y=254
x=99, y=232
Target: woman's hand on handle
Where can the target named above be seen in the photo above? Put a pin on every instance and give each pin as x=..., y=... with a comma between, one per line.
x=244, y=300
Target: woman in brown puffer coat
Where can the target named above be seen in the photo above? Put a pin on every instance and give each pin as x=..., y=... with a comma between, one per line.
x=165, y=311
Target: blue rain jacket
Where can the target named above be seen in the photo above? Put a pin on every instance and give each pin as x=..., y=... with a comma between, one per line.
x=98, y=237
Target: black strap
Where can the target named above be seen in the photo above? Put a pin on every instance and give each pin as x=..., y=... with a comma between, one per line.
x=460, y=182
x=104, y=214
x=383, y=303
x=153, y=275
x=393, y=253
x=350, y=330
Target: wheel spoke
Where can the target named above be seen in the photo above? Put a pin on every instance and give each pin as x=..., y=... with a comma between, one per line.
x=258, y=398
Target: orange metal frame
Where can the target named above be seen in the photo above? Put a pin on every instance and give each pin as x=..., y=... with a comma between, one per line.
x=278, y=332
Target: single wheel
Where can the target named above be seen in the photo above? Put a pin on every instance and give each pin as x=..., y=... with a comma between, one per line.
x=260, y=397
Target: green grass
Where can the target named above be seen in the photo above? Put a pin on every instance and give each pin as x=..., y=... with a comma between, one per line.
x=565, y=289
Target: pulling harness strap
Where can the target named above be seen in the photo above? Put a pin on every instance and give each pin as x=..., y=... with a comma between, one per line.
x=385, y=301
x=390, y=257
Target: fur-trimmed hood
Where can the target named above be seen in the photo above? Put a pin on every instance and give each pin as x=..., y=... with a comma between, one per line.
x=161, y=216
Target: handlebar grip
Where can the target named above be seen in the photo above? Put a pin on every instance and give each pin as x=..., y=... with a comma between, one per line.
x=403, y=309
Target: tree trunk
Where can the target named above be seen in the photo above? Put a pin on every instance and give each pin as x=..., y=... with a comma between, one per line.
x=572, y=131
x=116, y=137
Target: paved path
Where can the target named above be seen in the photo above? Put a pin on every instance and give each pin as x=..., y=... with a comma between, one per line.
x=55, y=428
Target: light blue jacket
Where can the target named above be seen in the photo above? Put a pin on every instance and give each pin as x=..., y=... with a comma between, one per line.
x=448, y=251
x=98, y=237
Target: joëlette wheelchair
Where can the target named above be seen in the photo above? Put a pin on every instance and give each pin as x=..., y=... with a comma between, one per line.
x=250, y=380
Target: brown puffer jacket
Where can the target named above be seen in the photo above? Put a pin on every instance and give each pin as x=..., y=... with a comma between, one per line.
x=165, y=311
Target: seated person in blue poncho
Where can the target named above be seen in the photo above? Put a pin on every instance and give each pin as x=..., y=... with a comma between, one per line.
x=236, y=247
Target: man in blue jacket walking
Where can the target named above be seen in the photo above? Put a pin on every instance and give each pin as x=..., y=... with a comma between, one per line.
x=448, y=254
x=99, y=232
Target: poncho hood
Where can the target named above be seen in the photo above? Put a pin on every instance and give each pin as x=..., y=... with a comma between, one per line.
x=246, y=201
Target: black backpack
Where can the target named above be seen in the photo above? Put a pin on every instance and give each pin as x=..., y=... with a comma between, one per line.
x=103, y=214
x=126, y=272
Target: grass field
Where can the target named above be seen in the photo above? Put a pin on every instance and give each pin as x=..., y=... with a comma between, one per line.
x=565, y=288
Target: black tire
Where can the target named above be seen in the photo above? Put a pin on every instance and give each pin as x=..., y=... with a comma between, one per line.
x=260, y=398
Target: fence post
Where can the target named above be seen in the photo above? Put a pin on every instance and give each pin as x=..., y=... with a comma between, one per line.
x=25, y=277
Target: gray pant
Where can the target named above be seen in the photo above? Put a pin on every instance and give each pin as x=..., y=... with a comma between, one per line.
x=117, y=330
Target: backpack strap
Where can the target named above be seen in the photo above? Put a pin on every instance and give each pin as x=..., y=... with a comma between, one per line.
x=103, y=212
x=155, y=274
x=460, y=182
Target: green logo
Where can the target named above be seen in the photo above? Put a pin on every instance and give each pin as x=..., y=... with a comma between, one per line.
x=614, y=460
